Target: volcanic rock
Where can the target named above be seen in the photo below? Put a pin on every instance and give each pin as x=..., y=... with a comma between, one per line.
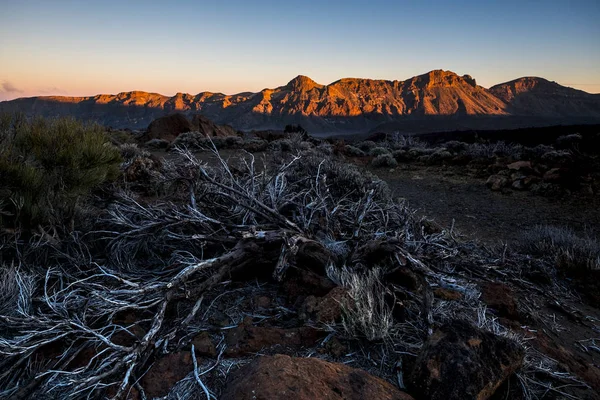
x=282, y=377
x=460, y=361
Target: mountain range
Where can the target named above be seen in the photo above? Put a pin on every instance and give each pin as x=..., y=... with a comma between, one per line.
x=437, y=100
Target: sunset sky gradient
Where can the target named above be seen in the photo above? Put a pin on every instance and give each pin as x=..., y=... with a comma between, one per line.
x=89, y=47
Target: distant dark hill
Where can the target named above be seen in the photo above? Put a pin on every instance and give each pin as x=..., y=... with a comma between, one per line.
x=437, y=100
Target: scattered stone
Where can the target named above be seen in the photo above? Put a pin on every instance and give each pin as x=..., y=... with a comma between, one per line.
x=283, y=377
x=553, y=175
x=166, y=372
x=496, y=182
x=522, y=166
x=460, y=361
x=519, y=184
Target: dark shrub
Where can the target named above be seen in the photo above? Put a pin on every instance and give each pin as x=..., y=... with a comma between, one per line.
x=157, y=144
x=47, y=165
x=353, y=151
x=377, y=151
x=366, y=145
x=255, y=145
x=384, y=160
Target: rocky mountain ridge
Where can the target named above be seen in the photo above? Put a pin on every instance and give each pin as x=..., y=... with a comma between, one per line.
x=348, y=105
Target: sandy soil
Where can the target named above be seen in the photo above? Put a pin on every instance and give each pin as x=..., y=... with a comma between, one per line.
x=482, y=214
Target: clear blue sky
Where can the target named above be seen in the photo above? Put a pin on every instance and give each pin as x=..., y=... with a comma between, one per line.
x=88, y=47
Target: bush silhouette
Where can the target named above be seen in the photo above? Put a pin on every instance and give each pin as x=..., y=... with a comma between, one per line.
x=47, y=165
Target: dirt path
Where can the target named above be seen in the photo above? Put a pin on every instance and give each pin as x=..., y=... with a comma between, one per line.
x=482, y=214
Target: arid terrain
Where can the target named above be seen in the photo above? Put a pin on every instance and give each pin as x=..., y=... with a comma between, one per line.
x=191, y=260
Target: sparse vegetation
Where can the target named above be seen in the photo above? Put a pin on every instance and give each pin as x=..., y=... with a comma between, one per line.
x=570, y=252
x=217, y=260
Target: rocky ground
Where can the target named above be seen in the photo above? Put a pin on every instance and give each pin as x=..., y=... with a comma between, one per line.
x=290, y=268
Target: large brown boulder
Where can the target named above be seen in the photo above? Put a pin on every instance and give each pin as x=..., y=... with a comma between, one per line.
x=283, y=377
x=460, y=361
x=168, y=127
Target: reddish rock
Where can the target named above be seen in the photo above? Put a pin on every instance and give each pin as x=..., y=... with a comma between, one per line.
x=460, y=361
x=247, y=339
x=166, y=372
x=501, y=298
x=284, y=378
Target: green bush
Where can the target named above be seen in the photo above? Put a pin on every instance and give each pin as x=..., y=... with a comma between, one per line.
x=47, y=165
x=377, y=151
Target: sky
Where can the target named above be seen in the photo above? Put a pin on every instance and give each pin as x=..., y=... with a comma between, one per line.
x=87, y=47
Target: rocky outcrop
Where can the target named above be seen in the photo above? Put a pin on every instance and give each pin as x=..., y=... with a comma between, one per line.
x=283, y=377
x=460, y=361
x=168, y=127
x=171, y=126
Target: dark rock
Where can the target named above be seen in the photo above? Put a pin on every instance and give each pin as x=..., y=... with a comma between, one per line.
x=335, y=347
x=460, y=361
x=496, y=182
x=553, y=176
x=204, y=346
x=262, y=302
x=300, y=283
x=521, y=166
x=405, y=277
x=519, y=184
x=284, y=378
